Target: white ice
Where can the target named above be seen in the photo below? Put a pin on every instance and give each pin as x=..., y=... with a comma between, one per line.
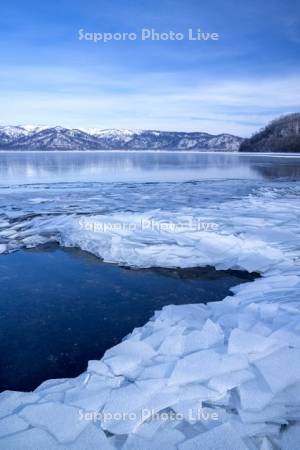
x=238, y=359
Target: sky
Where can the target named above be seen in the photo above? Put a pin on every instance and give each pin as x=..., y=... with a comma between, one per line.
x=235, y=84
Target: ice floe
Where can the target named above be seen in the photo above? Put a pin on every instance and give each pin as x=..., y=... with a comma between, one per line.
x=223, y=375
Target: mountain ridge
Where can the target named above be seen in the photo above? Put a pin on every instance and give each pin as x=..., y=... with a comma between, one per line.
x=280, y=135
x=22, y=137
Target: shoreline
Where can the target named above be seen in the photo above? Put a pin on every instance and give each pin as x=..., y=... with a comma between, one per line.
x=270, y=154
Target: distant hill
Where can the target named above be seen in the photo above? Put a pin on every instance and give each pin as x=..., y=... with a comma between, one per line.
x=60, y=138
x=281, y=135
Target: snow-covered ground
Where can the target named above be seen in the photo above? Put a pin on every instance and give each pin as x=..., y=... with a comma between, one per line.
x=221, y=376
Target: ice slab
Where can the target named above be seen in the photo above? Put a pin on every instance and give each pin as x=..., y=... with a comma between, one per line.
x=255, y=394
x=10, y=401
x=222, y=437
x=168, y=438
x=203, y=365
x=12, y=424
x=91, y=397
x=290, y=438
x=275, y=413
x=241, y=341
x=62, y=421
x=92, y=438
x=34, y=438
x=133, y=348
x=271, y=368
x=210, y=336
x=227, y=381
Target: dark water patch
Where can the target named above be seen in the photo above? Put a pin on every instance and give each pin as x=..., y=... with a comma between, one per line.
x=60, y=308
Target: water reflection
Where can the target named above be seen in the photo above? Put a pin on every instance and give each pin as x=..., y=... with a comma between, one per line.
x=32, y=167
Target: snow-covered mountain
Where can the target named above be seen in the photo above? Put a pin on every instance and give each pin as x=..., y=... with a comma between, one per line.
x=32, y=137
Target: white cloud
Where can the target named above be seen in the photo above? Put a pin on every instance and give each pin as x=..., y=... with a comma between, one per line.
x=110, y=98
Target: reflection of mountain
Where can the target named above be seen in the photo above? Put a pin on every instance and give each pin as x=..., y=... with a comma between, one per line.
x=31, y=164
x=289, y=170
x=24, y=167
x=59, y=138
x=281, y=135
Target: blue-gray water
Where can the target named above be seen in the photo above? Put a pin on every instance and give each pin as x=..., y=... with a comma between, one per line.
x=49, y=167
x=60, y=308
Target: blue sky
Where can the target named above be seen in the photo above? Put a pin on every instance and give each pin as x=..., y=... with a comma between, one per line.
x=236, y=84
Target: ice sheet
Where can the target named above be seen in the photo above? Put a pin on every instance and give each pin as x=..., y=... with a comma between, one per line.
x=231, y=369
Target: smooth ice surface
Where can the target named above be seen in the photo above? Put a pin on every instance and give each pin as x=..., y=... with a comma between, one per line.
x=229, y=371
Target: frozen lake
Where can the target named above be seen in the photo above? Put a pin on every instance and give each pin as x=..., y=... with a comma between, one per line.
x=166, y=217
x=37, y=167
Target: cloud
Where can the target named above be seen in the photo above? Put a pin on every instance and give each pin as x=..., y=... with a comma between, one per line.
x=77, y=97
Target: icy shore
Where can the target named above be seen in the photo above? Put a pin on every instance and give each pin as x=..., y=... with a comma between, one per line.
x=225, y=375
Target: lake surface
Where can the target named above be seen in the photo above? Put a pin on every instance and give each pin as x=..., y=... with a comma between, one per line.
x=37, y=167
x=60, y=308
